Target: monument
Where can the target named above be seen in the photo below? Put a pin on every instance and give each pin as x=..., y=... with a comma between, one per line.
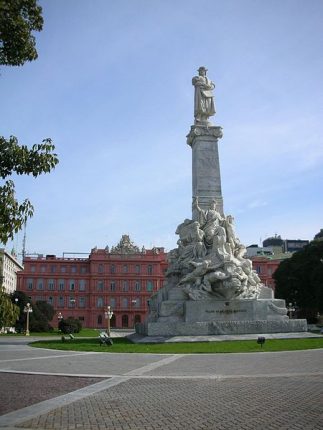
x=211, y=287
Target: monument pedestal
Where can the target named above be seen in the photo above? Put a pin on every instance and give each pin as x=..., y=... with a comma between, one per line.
x=206, y=177
x=220, y=317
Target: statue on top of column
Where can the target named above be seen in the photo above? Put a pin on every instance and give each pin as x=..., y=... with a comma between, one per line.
x=203, y=100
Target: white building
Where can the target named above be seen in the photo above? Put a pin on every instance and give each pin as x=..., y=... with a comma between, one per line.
x=9, y=266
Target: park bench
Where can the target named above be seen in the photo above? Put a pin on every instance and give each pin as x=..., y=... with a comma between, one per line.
x=104, y=339
x=69, y=337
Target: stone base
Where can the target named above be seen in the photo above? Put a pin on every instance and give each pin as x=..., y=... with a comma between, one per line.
x=219, y=317
x=220, y=327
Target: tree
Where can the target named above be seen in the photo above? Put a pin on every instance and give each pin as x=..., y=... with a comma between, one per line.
x=40, y=317
x=20, y=160
x=9, y=312
x=70, y=325
x=18, y=18
x=46, y=309
x=300, y=280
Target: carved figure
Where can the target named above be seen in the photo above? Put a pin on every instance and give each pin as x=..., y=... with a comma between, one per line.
x=231, y=237
x=191, y=245
x=203, y=100
x=209, y=220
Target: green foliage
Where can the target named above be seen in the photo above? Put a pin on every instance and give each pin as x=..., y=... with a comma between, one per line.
x=300, y=280
x=9, y=312
x=70, y=325
x=20, y=160
x=46, y=309
x=39, y=318
x=18, y=18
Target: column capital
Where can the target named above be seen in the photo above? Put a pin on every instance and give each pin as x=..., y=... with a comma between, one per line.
x=208, y=131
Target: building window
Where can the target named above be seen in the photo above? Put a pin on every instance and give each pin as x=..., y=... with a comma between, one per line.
x=72, y=284
x=52, y=269
x=149, y=269
x=100, y=268
x=99, y=302
x=137, y=286
x=125, y=321
x=82, y=302
x=51, y=300
x=137, y=319
x=81, y=318
x=82, y=285
x=150, y=286
x=40, y=285
x=71, y=302
x=83, y=269
x=61, y=284
x=51, y=284
x=61, y=302
x=100, y=319
x=112, y=286
x=33, y=269
x=29, y=284
x=63, y=269
x=112, y=302
x=125, y=286
x=125, y=268
x=73, y=269
x=112, y=268
x=137, y=269
x=100, y=286
x=124, y=302
x=136, y=302
x=43, y=269
x=258, y=269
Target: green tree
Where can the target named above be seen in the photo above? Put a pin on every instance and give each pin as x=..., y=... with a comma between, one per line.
x=18, y=18
x=300, y=280
x=70, y=325
x=46, y=309
x=9, y=312
x=39, y=318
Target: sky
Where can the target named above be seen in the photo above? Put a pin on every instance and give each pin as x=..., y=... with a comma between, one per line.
x=112, y=87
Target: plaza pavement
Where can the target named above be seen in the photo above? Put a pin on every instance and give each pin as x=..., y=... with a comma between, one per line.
x=48, y=389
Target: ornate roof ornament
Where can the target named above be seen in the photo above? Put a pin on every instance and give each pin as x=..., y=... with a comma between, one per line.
x=125, y=246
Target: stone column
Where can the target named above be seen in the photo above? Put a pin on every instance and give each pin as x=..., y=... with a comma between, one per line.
x=206, y=178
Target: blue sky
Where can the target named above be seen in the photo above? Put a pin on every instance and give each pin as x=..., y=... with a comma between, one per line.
x=112, y=88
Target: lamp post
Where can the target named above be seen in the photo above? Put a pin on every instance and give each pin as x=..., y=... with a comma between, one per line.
x=72, y=303
x=134, y=302
x=27, y=310
x=59, y=317
x=108, y=315
x=290, y=310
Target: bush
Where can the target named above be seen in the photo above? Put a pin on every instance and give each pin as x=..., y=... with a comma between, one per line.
x=70, y=325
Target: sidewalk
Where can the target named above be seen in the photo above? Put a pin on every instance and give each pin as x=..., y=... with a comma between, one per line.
x=152, y=391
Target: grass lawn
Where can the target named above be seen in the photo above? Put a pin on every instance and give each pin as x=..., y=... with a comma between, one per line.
x=123, y=345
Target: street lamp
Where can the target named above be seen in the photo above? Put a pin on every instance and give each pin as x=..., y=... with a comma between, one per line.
x=290, y=310
x=108, y=315
x=59, y=317
x=27, y=310
x=134, y=302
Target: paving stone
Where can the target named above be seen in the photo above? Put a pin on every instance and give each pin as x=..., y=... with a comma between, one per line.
x=241, y=403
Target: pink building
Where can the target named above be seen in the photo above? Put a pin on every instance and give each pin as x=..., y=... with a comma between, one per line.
x=123, y=278
x=265, y=266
